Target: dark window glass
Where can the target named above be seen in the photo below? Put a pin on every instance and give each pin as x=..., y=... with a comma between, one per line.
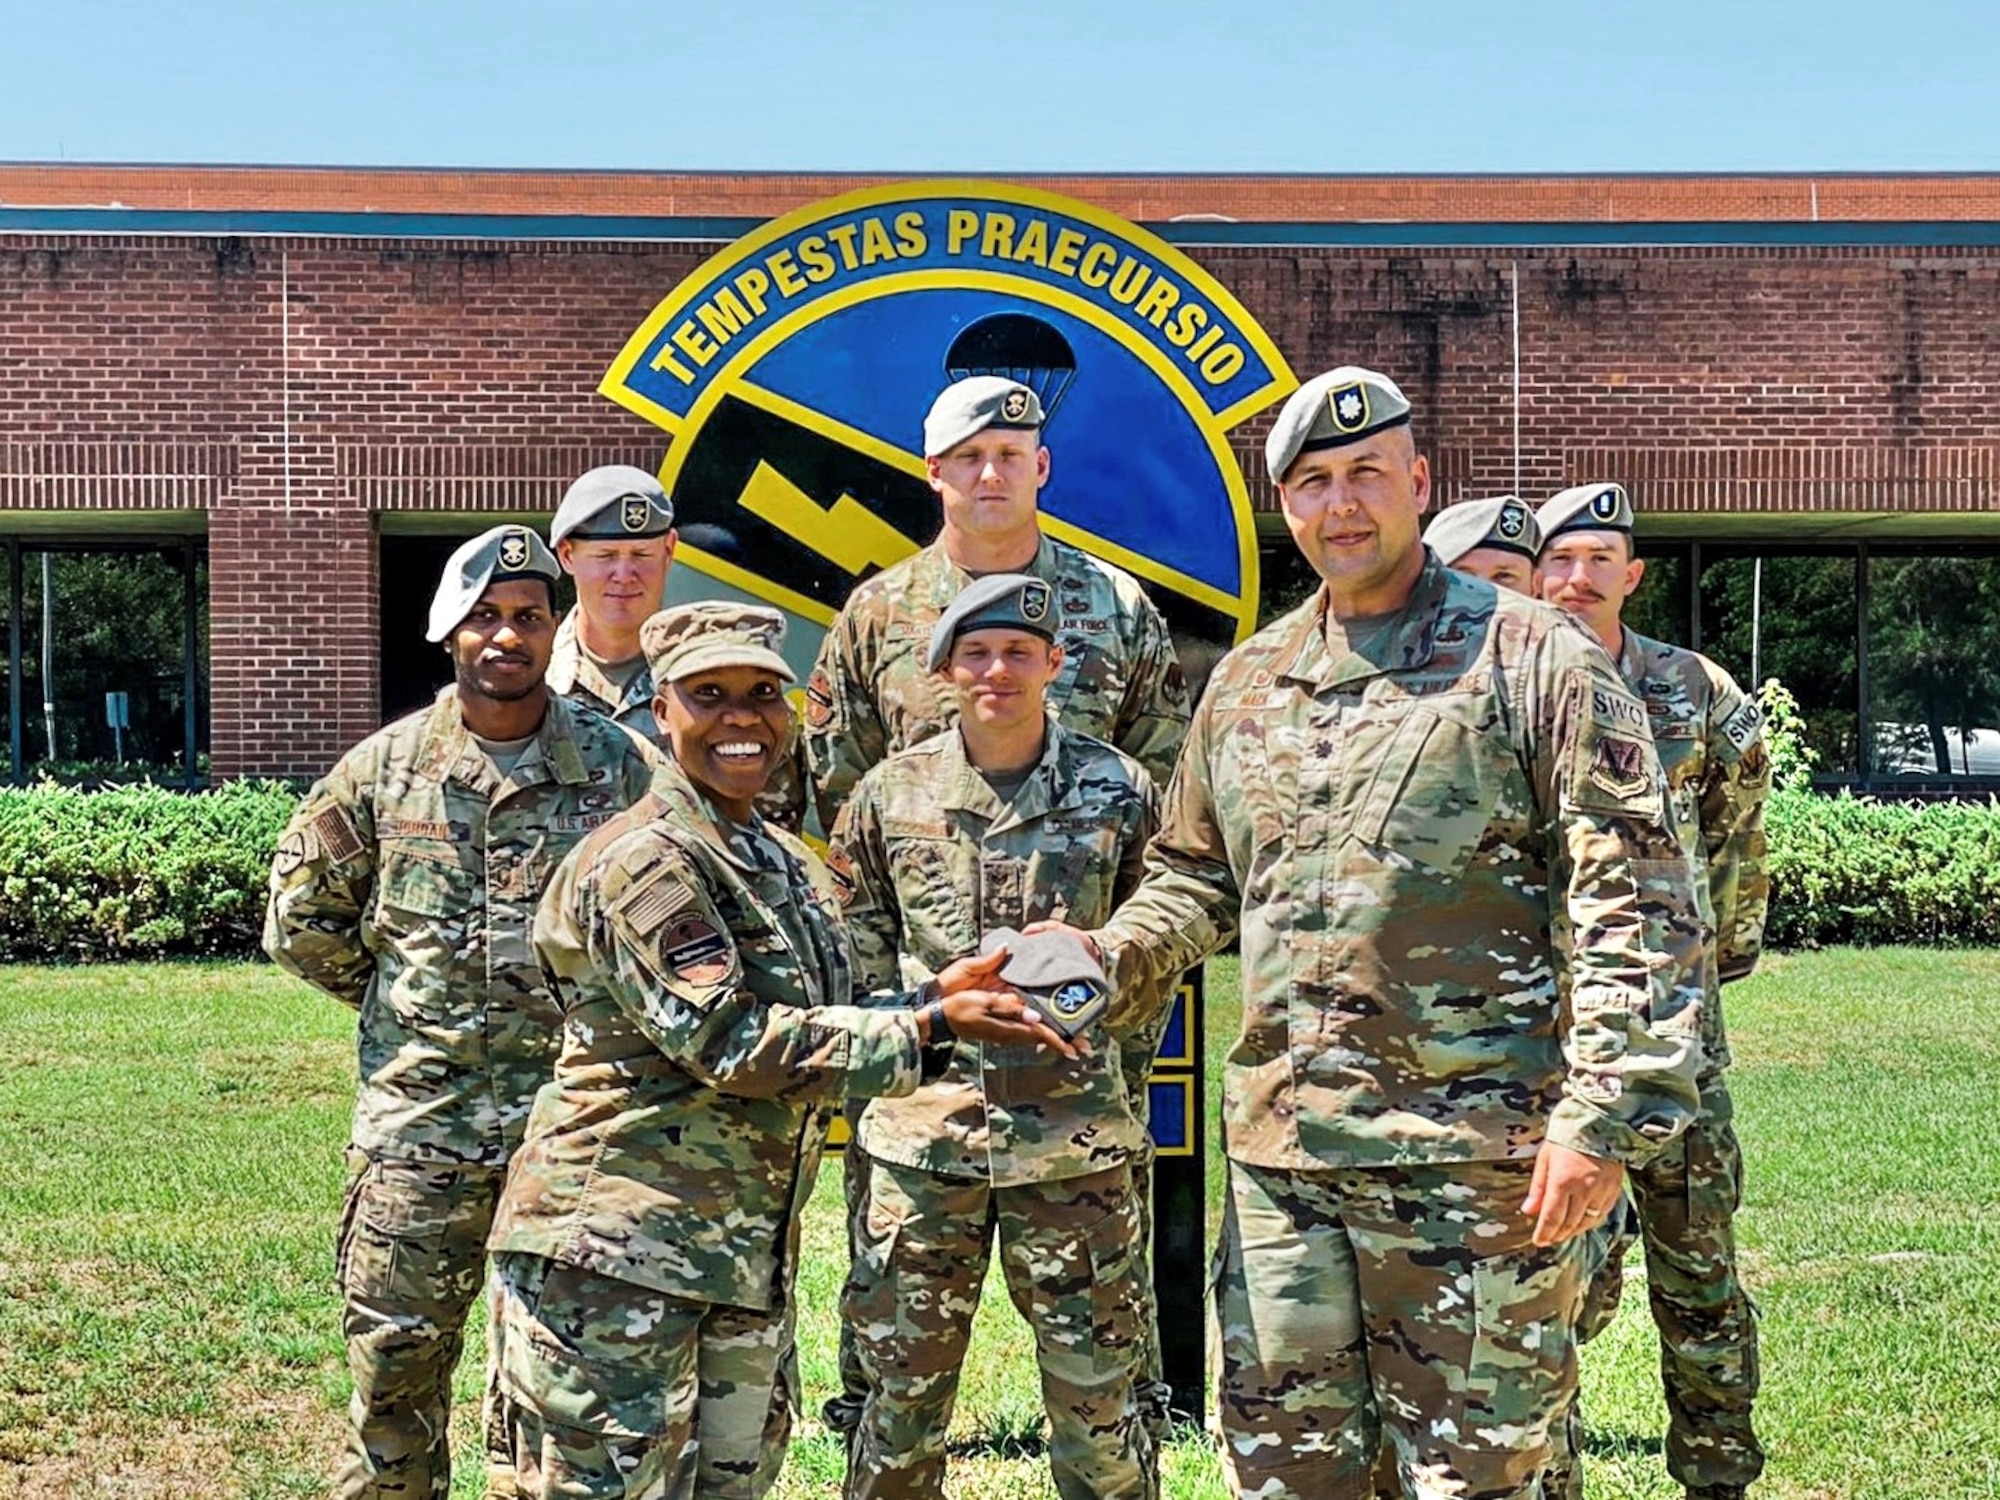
x=1798, y=627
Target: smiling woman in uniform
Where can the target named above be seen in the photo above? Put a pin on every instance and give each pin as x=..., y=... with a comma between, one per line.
x=648, y=1237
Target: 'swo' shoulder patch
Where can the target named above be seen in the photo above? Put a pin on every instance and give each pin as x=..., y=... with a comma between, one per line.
x=1741, y=727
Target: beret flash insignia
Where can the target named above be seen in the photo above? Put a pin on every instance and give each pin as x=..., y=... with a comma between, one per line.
x=1034, y=602
x=514, y=549
x=1014, y=406
x=1513, y=521
x=1604, y=505
x=634, y=511
x=1347, y=405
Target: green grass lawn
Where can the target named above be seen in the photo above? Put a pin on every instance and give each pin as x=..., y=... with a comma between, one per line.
x=170, y=1171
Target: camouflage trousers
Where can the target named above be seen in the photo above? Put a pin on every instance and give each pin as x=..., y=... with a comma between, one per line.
x=1067, y=1250
x=610, y=1389
x=1687, y=1198
x=1398, y=1304
x=842, y=1413
x=412, y=1255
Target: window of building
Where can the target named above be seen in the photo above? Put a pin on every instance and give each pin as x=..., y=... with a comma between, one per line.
x=107, y=661
x=1933, y=656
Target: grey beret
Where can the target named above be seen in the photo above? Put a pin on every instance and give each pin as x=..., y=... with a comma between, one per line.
x=1586, y=507
x=999, y=601
x=495, y=556
x=1331, y=410
x=698, y=637
x=1502, y=522
x=614, y=503
x=974, y=404
x=1057, y=971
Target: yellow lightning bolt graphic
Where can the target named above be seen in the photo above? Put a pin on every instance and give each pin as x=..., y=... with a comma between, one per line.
x=846, y=533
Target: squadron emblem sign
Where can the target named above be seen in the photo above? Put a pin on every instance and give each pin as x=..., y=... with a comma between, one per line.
x=792, y=372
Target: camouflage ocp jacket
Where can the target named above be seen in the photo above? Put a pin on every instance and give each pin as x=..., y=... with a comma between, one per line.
x=703, y=979
x=406, y=884
x=931, y=860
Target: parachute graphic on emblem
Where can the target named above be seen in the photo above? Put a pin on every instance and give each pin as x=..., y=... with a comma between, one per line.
x=1020, y=347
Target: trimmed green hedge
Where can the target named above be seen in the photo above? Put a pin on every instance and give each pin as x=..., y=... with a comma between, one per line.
x=136, y=871
x=143, y=872
x=1851, y=870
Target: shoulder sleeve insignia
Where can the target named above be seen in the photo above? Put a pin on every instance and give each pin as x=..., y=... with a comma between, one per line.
x=695, y=951
x=819, y=699
x=840, y=865
x=291, y=854
x=1620, y=766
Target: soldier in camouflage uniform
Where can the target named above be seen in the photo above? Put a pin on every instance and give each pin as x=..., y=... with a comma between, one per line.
x=1007, y=819
x=405, y=886
x=1424, y=804
x=648, y=1237
x=1493, y=539
x=1710, y=739
x=614, y=534
x=869, y=695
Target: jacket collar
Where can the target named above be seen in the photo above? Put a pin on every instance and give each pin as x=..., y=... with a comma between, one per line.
x=1408, y=643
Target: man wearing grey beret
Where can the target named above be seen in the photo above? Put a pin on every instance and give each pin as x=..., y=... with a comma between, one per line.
x=1424, y=804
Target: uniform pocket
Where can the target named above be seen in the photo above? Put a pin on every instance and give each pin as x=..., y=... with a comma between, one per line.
x=1433, y=792
x=550, y=1362
x=414, y=1234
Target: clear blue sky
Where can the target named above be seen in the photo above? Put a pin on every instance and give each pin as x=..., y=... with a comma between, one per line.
x=1105, y=85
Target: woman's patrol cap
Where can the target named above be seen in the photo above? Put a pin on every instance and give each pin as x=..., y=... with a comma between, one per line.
x=692, y=638
x=1503, y=523
x=496, y=556
x=1586, y=507
x=999, y=601
x=974, y=404
x=615, y=503
x=1330, y=411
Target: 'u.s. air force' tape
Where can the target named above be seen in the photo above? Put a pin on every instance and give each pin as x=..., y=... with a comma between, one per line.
x=1058, y=973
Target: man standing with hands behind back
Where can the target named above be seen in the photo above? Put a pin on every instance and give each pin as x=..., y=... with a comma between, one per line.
x=1711, y=744
x=1423, y=803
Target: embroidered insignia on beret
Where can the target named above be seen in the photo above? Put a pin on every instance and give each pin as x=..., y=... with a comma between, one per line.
x=514, y=550
x=1014, y=406
x=634, y=511
x=1347, y=405
x=1604, y=505
x=1034, y=602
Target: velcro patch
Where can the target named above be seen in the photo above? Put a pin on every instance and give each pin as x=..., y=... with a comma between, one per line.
x=291, y=854
x=1620, y=766
x=840, y=865
x=695, y=951
x=421, y=828
x=819, y=699
x=1617, y=710
x=646, y=908
x=1741, y=727
x=336, y=834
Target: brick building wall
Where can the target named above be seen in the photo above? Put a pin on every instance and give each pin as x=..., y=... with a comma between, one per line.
x=283, y=394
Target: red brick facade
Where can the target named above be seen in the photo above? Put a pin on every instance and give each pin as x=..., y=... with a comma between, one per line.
x=283, y=394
